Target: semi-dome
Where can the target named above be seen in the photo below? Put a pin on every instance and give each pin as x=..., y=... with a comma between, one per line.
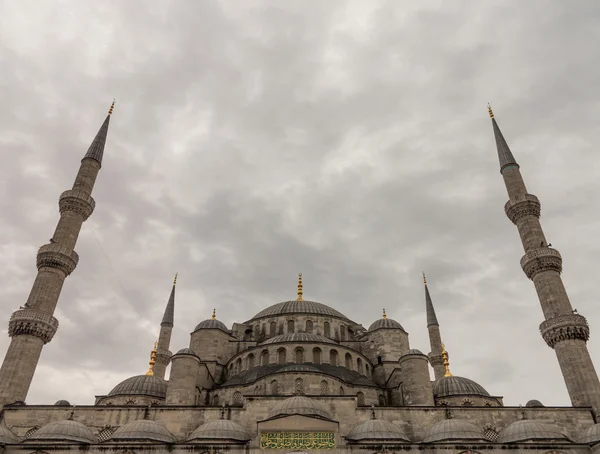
x=534, y=403
x=453, y=430
x=212, y=323
x=142, y=430
x=531, y=430
x=298, y=337
x=6, y=435
x=141, y=385
x=385, y=323
x=590, y=436
x=376, y=429
x=62, y=403
x=458, y=386
x=221, y=429
x=65, y=430
x=299, y=405
x=299, y=307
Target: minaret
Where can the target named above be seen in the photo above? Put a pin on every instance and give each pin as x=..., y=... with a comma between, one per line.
x=435, y=338
x=563, y=329
x=163, y=355
x=33, y=325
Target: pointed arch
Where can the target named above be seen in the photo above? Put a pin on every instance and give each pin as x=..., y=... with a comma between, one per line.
x=333, y=357
x=264, y=358
x=309, y=326
x=317, y=355
x=326, y=329
x=299, y=355
x=281, y=356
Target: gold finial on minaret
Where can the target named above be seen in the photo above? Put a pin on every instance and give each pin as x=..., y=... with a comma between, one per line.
x=152, y=360
x=175, y=279
x=214, y=315
x=112, y=107
x=384, y=314
x=424, y=278
x=299, y=287
x=446, y=362
x=490, y=111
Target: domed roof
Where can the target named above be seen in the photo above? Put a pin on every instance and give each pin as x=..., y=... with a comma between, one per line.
x=376, y=429
x=62, y=403
x=590, y=436
x=414, y=351
x=146, y=385
x=534, y=403
x=299, y=405
x=186, y=351
x=65, y=430
x=453, y=429
x=221, y=429
x=299, y=307
x=385, y=323
x=299, y=368
x=530, y=430
x=212, y=323
x=298, y=337
x=6, y=435
x=457, y=386
x=142, y=430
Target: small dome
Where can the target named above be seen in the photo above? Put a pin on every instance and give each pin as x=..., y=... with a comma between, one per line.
x=141, y=385
x=534, y=403
x=457, y=386
x=376, y=429
x=186, y=351
x=221, y=429
x=65, y=430
x=298, y=337
x=142, y=430
x=385, y=323
x=589, y=437
x=6, y=435
x=530, y=430
x=300, y=368
x=212, y=323
x=62, y=403
x=453, y=429
x=299, y=307
x=299, y=405
x=414, y=351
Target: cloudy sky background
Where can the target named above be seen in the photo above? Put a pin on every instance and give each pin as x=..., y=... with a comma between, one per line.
x=254, y=140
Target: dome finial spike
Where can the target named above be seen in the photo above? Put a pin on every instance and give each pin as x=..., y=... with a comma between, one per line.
x=424, y=278
x=299, y=287
x=384, y=314
x=490, y=111
x=152, y=360
x=223, y=412
x=112, y=107
x=175, y=279
x=446, y=362
x=214, y=315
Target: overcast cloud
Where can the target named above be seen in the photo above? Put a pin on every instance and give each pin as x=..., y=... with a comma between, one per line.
x=254, y=140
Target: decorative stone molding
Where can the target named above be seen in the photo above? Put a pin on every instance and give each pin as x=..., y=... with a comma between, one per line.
x=435, y=360
x=163, y=357
x=564, y=327
x=541, y=259
x=78, y=202
x=526, y=205
x=34, y=323
x=54, y=255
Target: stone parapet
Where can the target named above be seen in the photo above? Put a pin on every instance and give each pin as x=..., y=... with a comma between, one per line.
x=564, y=327
x=76, y=201
x=435, y=360
x=525, y=205
x=163, y=357
x=34, y=323
x=541, y=259
x=54, y=255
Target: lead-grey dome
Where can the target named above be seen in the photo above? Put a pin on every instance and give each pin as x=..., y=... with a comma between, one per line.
x=141, y=385
x=299, y=405
x=590, y=436
x=385, y=323
x=458, y=386
x=453, y=429
x=212, y=323
x=299, y=307
x=142, y=430
x=221, y=429
x=534, y=403
x=186, y=351
x=376, y=429
x=62, y=403
x=298, y=337
x=530, y=430
x=6, y=435
x=66, y=430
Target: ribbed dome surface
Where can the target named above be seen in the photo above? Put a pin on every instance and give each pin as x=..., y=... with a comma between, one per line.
x=212, y=324
x=530, y=430
x=534, y=403
x=458, y=386
x=299, y=307
x=298, y=337
x=185, y=351
x=299, y=405
x=376, y=429
x=62, y=403
x=65, y=430
x=221, y=429
x=146, y=385
x=385, y=323
x=142, y=430
x=453, y=429
x=590, y=436
x=6, y=435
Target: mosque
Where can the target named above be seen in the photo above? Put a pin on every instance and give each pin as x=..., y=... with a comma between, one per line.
x=299, y=376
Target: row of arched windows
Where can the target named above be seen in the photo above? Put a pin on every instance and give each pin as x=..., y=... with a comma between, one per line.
x=309, y=326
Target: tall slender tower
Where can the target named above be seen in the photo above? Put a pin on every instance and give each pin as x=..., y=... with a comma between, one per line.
x=34, y=325
x=563, y=329
x=436, y=358
x=163, y=355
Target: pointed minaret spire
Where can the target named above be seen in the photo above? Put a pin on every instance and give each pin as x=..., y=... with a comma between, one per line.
x=563, y=330
x=299, y=298
x=170, y=309
x=431, y=317
x=435, y=338
x=96, y=150
x=163, y=355
x=34, y=325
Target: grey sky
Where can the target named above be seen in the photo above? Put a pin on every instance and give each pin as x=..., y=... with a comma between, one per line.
x=255, y=140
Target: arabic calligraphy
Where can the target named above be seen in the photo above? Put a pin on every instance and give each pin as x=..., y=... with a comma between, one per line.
x=297, y=440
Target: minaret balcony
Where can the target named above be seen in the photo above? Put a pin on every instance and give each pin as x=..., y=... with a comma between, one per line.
x=77, y=201
x=565, y=327
x=521, y=206
x=540, y=260
x=54, y=255
x=33, y=323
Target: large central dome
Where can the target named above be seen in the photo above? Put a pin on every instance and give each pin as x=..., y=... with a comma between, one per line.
x=299, y=307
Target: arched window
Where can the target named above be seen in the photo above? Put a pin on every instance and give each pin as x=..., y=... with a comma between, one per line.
x=237, y=399
x=238, y=366
x=215, y=400
x=360, y=399
x=367, y=370
x=257, y=331
x=341, y=390
x=333, y=357
x=250, y=360
x=317, y=355
x=264, y=358
x=467, y=403
x=379, y=360
x=299, y=386
x=309, y=326
x=324, y=387
x=348, y=361
x=263, y=330
x=274, y=387
x=273, y=329
x=343, y=332
x=281, y=356
x=359, y=365
x=381, y=400
x=280, y=329
x=326, y=329
x=299, y=355
x=290, y=326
